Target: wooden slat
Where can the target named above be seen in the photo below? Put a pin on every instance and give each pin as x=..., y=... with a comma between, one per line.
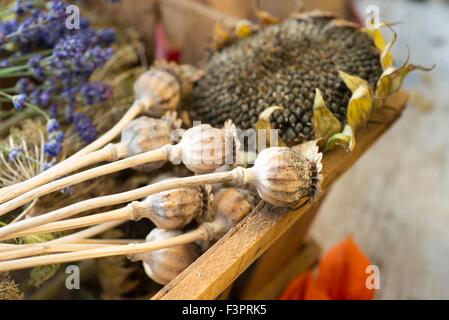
x=277, y=256
x=216, y=269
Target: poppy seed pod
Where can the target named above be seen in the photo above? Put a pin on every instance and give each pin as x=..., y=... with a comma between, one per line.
x=145, y=134
x=159, y=91
x=176, y=208
x=283, y=176
x=165, y=264
x=231, y=206
x=204, y=148
x=234, y=204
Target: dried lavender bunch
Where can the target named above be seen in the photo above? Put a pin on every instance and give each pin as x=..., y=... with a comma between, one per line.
x=52, y=65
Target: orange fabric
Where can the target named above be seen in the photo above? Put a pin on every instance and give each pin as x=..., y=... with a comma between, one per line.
x=342, y=272
x=304, y=288
x=341, y=276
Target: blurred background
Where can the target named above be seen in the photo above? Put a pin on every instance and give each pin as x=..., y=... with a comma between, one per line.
x=395, y=200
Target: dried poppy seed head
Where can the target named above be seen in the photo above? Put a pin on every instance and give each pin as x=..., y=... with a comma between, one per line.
x=159, y=90
x=145, y=134
x=165, y=264
x=233, y=204
x=185, y=74
x=283, y=176
x=176, y=208
x=283, y=65
x=204, y=148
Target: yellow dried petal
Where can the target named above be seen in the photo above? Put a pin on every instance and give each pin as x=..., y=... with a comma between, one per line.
x=377, y=36
x=392, y=78
x=386, y=57
x=352, y=82
x=360, y=107
x=220, y=36
x=266, y=18
x=381, y=44
x=263, y=123
x=243, y=29
x=325, y=124
x=345, y=139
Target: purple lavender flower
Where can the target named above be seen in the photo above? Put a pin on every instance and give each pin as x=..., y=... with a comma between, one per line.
x=47, y=165
x=57, y=9
x=35, y=66
x=53, y=148
x=5, y=63
x=96, y=92
x=53, y=110
x=25, y=85
x=58, y=136
x=14, y=154
x=84, y=23
x=73, y=56
x=8, y=27
x=53, y=125
x=107, y=36
x=68, y=191
x=28, y=29
x=85, y=127
x=19, y=101
x=45, y=97
x=21, y=7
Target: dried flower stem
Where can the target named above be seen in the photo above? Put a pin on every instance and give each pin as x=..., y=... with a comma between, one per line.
x=59, y=169
x=122, y=214
x=160, y=154
x=50, y=247
x=49, y=175
x=204, y=232
x=9, y=247
x=237, y=176
x=39, y=248
x=17, y=251
x=88, y=233
x=74, y=237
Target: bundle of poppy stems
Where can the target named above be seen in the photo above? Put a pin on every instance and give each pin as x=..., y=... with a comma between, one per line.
x=150, y=131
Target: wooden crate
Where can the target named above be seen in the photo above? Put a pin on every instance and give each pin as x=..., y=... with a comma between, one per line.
x=268, y=245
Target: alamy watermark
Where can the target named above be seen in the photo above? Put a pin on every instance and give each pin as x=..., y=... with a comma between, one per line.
x=372, y=281
x=72, y=282
x=372, y=19
x=72, y=22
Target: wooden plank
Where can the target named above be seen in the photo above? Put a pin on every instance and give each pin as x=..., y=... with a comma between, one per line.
x=226, y=293
x=278, y=255
x=240, y=247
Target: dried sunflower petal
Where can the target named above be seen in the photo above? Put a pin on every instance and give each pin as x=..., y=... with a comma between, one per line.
x=392, y=78
x=381, y=44
x=345, y=139
x=266, y=18
x=264, y=123
x=325, y=124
